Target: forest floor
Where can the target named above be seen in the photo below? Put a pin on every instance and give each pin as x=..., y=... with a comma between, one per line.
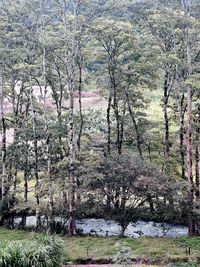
x=153, y=250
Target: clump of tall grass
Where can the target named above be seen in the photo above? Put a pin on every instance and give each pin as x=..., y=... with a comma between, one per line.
x=43, y=251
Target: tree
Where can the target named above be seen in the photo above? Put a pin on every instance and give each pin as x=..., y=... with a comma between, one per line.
x=124, y=184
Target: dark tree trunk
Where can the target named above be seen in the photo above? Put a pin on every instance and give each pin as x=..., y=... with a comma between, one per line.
x=182, y=131
x=80, y=107
x=123, y=229
x=166, y=117
x=109, y=123
x=121, y=136
x=151, y=205
x=132, y=115
x=116, y=112
x=197, y=155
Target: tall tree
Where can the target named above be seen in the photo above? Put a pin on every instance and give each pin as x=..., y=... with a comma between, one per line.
x=191, y=226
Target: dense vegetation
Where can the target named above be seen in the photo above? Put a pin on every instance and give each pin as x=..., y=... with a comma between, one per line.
x=42, y=252
x=102, y=250
x=136, y=152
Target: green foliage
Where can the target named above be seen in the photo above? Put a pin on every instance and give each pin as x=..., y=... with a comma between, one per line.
x=43, y=251
x=123, y=255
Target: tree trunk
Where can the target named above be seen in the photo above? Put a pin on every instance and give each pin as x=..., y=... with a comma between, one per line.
x=121, y=137
x=72, y=226
x=123, y=229
x=80, y=106
x=71, y=135
x=138, y=138
x=117, y=118
x=191, y=231
x=48, y=153
x=4, y=185
x=150, y=201
x=191, y=223
x=109, y=123
x=197, y=155
x=14, y=183
x=181, y=136
x=35, y=150
x=166, y=117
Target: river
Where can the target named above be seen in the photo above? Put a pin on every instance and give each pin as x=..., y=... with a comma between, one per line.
x=103, y=227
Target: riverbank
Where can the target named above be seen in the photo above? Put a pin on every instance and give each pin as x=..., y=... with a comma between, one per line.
x=80, y=250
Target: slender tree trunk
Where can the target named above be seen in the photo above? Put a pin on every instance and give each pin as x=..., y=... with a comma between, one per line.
x=181, y=136
x=26, y=180
x=71, y=80
x=109, y=123
x=26, y=163
x=80, y=106
x=26, y=166
x=116, y=112
x=197, y=156
x=121, y=136
x=117, y=118
x=4, y=185
x=59, y=112
x=72, y=227
x=14, y=183
x=49, y=175
x=58, y=101
x=166, y=117
x=191, y=223
x=47, y=133
x=35, y=150
x=134, y=124
x=189, y=163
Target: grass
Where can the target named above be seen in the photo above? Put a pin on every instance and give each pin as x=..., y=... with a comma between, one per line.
x=155, y=249
x=13, y=235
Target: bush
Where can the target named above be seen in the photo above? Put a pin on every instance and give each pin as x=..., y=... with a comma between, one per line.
x=123, y=255
x=44, y=251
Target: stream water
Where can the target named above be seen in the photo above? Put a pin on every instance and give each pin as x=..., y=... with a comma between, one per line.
x=103, y=227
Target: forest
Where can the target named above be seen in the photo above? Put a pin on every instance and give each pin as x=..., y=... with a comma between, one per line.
x=99, y=114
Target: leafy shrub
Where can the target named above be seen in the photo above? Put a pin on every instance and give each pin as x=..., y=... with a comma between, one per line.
x=123, y=255
x=44, y=251
x=55, y=249
x=11, y=254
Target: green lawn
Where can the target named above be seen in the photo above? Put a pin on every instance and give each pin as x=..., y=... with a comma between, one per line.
x=155, y=249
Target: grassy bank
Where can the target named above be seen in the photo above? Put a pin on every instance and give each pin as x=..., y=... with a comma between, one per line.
x=154, y=249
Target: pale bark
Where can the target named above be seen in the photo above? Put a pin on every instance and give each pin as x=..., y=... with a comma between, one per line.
x=191, y=223
x=70, y=57
x=48, y=153
x=35, y=151
x=4, y=185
